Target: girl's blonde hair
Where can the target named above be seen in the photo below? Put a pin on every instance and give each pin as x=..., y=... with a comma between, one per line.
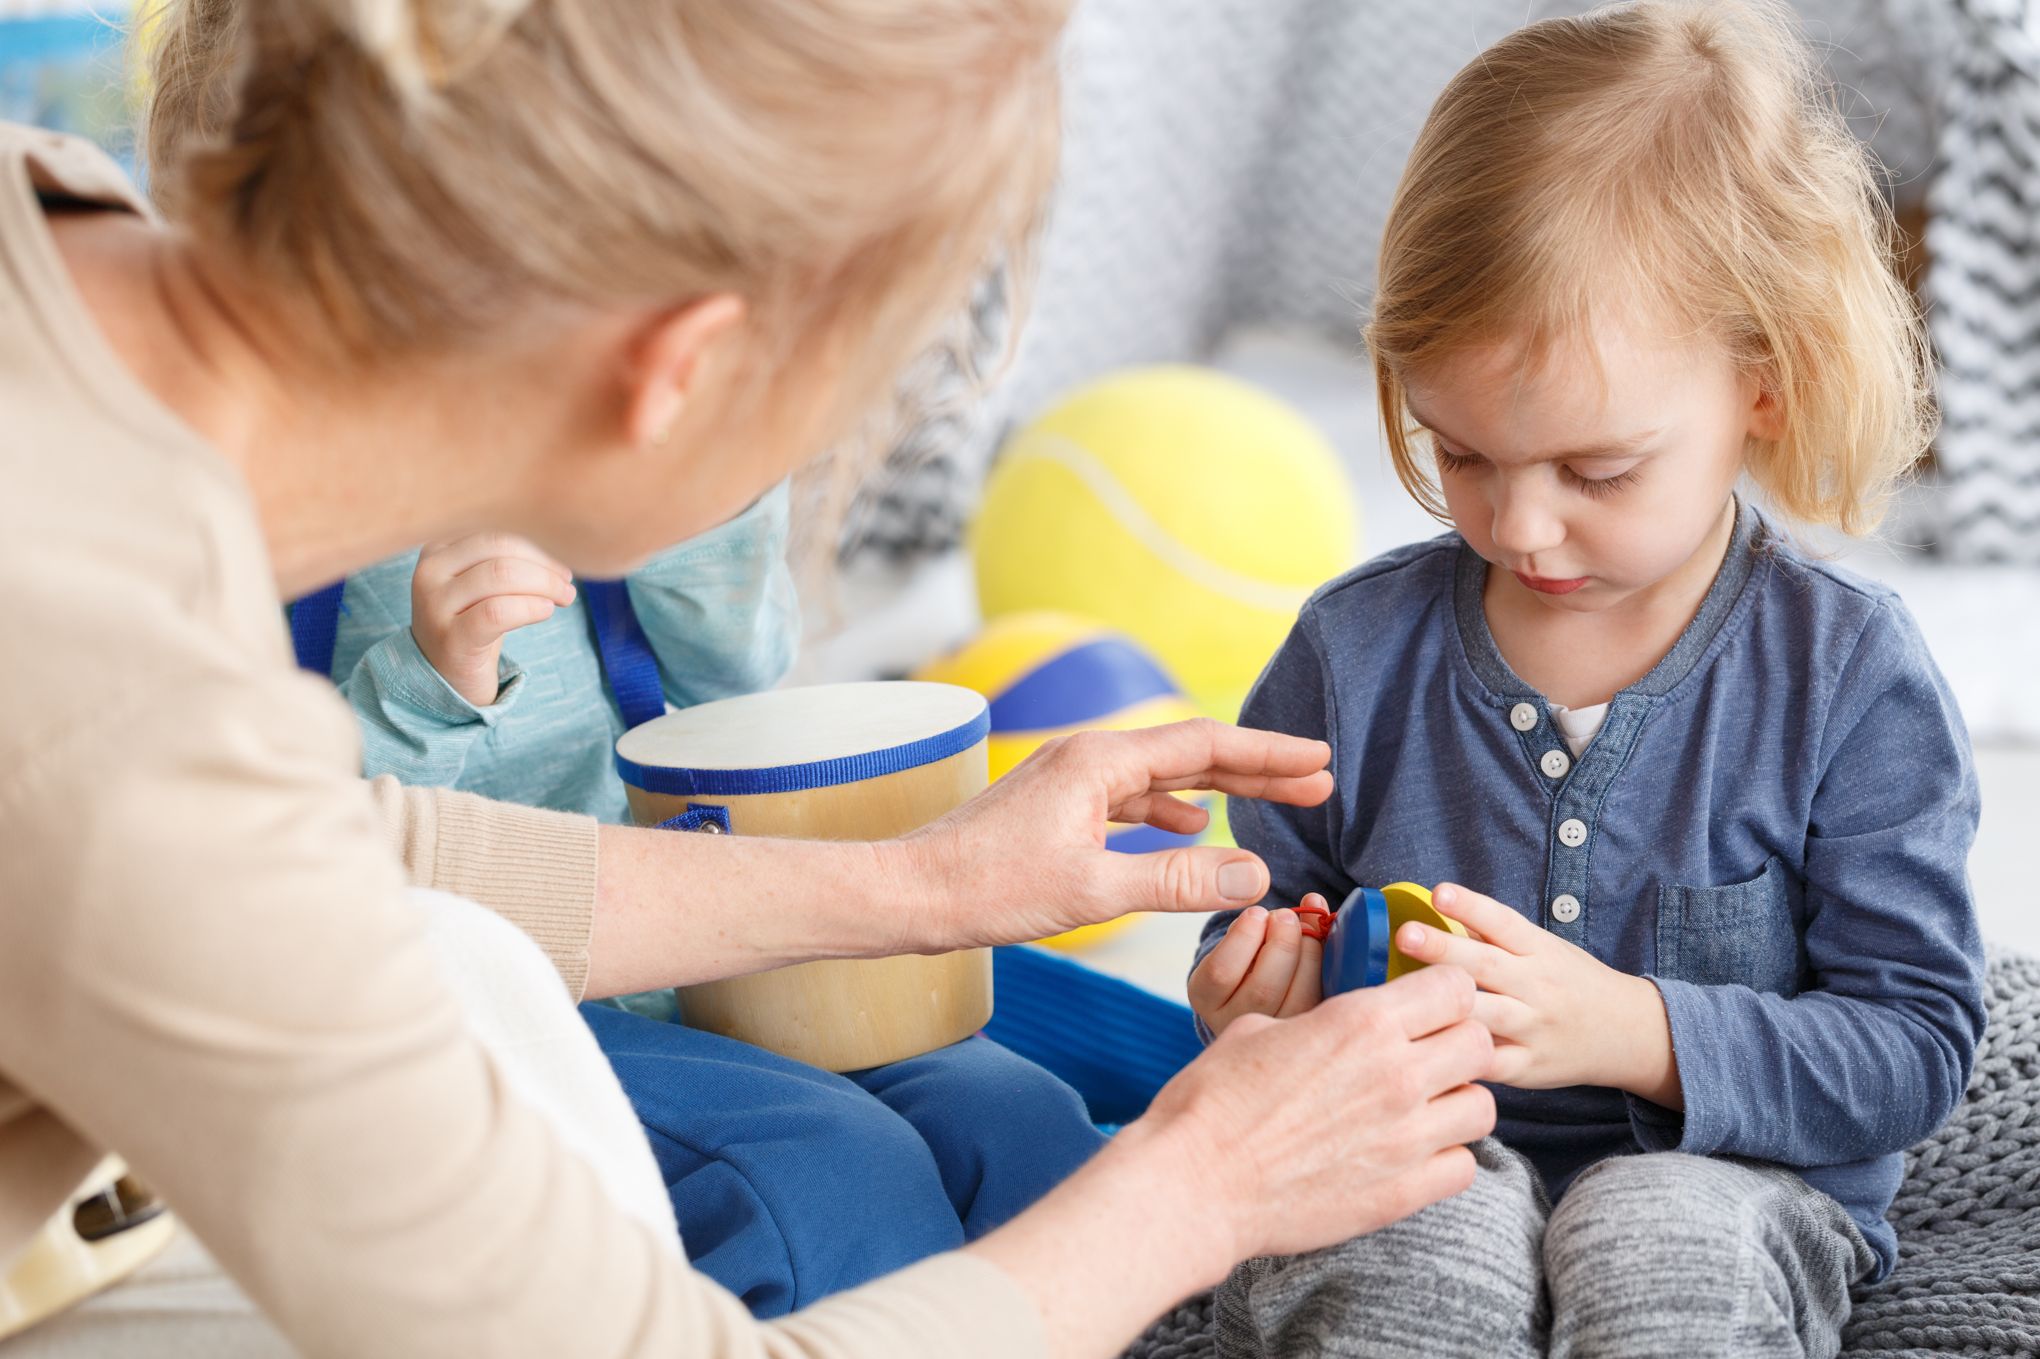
x=1690, y=157
x=425, y=172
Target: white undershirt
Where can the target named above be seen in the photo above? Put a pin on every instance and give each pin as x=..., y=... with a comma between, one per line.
x=1578, y=725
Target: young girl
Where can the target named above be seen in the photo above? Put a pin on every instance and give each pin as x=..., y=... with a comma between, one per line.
x=475, y=665
x=1703, y=799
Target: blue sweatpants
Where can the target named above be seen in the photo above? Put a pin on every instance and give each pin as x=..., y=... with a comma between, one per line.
x=791, y=1183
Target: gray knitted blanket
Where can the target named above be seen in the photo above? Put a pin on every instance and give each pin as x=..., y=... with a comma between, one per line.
x=1968, y=1215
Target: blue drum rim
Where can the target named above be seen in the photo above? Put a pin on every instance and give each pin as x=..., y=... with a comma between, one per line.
x=672, y=781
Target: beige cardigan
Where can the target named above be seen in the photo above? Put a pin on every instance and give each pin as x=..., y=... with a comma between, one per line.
x=206, y=960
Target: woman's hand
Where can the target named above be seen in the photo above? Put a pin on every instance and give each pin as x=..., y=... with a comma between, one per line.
x=1285, y=1135
x=1559, y=1015
x=465, y=595
x=1266, y=965
x=1027, y=858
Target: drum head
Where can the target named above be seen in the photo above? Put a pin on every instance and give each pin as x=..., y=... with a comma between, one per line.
x=794, y=739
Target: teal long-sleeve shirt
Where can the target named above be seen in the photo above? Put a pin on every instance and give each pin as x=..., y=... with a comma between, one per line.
x=719, y=610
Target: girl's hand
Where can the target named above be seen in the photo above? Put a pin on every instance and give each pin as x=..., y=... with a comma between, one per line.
x=1559, y=1015
x=1267, y=964
x=465, y=595
x=1026, y=858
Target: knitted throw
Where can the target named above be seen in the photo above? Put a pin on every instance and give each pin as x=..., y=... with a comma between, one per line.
x=1968, y=1214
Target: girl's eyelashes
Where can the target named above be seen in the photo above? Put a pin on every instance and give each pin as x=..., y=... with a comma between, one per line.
x=1448, y=461
x=1601, y=486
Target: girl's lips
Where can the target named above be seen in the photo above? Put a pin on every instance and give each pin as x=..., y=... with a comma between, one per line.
x=1550, y=587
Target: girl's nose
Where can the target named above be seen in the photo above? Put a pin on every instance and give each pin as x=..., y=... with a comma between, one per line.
x=1523, y=526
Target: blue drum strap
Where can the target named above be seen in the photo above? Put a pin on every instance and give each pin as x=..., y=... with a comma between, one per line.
x=314, y=624
x=700, y=816
x=627, y=659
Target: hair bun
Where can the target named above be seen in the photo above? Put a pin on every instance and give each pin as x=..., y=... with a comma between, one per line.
x=424, y=45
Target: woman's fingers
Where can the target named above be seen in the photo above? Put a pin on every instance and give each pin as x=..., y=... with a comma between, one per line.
x=1488, y=918
x=1503, y=1016
x=1195, y=878
x=1305, y=790
x=1202, y=753
x=1456, y=1055
x=1462, y=1114
x=1167, y=813
x=1213, y=981
x=1423, y=1002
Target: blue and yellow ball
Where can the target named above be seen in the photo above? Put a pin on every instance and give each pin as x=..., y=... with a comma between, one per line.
x=1049, y=674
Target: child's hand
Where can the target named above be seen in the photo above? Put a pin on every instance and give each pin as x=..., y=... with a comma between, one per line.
x=1559, y=1015
x=465, y=595
x=1265, y=965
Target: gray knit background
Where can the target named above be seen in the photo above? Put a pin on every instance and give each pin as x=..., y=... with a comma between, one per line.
x=1968, y=1215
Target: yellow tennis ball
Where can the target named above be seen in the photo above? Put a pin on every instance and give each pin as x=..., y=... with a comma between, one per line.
x=1186, y=508
x=1050, y=674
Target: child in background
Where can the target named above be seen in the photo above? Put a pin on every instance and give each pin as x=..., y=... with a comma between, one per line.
x=1704, y=800
x=420, y=651
x=474, y=665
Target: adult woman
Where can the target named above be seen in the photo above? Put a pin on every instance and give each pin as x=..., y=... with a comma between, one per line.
x=537, y=267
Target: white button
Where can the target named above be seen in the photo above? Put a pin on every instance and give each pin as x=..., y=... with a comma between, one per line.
x=1572, y=832
x=1555, y=763
x=1565, y=909
x=1522, y=717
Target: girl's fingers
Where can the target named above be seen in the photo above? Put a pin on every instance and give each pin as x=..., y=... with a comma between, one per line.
x=1306, y=988
x=1267, y=982
x=1214, y=980
x=503, y=576
x=1487, y=964
x=1488, y=918
x=486, y=622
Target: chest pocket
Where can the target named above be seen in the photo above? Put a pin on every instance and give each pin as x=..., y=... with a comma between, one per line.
x=1743, y=934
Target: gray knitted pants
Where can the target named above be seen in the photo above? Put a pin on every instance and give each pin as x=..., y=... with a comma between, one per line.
x=1661, y=1254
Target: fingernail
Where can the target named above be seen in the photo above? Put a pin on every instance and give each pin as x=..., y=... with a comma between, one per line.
x=1239, y=882
x=1443, y=896
x=1412, y=937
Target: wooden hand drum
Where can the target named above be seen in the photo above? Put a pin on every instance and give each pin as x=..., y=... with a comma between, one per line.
x=831, y=762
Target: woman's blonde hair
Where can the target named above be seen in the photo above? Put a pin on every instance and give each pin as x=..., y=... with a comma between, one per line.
x=425, y=172
x=1688, y=157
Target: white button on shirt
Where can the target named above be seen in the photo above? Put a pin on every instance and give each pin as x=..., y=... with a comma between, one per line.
x=1523, y=717
x=1565, y=909
x=1572, y=832
x=1555, y=763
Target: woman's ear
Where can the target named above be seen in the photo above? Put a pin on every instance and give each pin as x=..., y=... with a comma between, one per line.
x=666, y=366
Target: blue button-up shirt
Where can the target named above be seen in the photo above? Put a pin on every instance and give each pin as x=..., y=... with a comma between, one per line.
x=1778, y=820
